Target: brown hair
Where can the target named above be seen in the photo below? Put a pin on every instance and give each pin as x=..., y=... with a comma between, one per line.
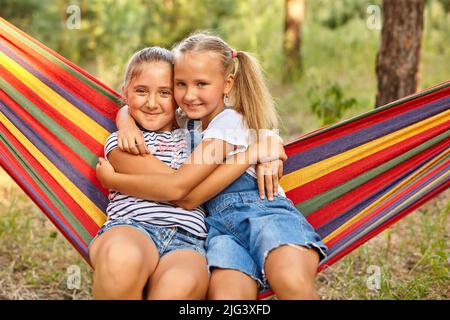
x=250, y=93
x=146, y=55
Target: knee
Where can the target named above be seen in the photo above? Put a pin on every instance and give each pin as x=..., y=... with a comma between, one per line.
x=120, y=264
x=293, y=285
x=231, y=293
x=180, y=286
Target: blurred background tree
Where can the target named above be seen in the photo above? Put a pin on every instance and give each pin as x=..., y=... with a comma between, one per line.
x=294, y=15
x=338, y=42
x=398, y=58
x=333, y=47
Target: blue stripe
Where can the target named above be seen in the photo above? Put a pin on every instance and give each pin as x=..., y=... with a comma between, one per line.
x=354, y=139
x=80, y=104
x=29, y=189
x=63, y=164
x=342, y=218
x=342, y=245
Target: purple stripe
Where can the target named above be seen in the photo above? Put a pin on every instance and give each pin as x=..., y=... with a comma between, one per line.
x=335, y=223
x=339, y=246
x=63, y=164
x=80, y=104
x=71, y=236
x=354, y=139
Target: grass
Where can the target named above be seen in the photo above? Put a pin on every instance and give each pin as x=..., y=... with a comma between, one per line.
x=34, y=257
x=411, y=257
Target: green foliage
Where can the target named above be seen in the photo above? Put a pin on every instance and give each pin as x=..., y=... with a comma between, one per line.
x=446, y=5
x=335, y=14
x=330, y=105
x=337, y=45
x=112, y=30
x=19, y=12
x=339, y=82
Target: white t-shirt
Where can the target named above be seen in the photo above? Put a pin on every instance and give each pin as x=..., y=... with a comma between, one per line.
x=230, y=126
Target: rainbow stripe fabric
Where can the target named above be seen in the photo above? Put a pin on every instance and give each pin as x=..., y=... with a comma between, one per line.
x=351, y=180
x=354, y=179
x=54, y=119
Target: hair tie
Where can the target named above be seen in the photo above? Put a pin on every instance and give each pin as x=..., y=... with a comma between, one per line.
x=234, y=53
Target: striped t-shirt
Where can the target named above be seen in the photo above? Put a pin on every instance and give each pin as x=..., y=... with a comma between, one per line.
x=169, y=147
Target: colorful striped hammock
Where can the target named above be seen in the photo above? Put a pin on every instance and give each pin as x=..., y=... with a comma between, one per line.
x=351, y=180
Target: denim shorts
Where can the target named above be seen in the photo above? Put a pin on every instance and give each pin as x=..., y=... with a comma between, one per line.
x=243, y=229
x=166, y=239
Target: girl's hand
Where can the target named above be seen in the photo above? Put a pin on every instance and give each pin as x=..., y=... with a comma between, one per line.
x=105, y=172
x=131, y=140
x=268, y=175
x=270, y=148
x=271, y=155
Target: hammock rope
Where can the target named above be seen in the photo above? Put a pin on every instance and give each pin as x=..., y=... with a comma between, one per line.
x=351, y=180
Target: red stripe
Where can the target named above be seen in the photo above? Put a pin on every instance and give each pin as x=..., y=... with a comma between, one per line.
x=53, y=185
x=348, y=172
x=342, y=204
x=373, y=233
x=385, y=225
x=382, y=207
x=93, y=145
x=61, y=58
x=67, y=153
x=406, y=97
x=365, y=122
x=65, y=80
x=265, y=294
x=21, y=175
x=293, y=140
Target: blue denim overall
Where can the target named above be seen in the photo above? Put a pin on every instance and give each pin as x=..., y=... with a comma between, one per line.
x=243, y=229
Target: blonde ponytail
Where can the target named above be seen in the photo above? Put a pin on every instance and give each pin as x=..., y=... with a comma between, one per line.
x=250, y=93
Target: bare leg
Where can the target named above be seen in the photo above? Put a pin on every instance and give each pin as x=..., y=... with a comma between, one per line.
x=291, y=272
x=123, y=258
x=227, y=284
x=180, y=275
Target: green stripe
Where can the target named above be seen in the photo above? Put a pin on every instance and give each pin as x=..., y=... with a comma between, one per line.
x=70, y=218
x=61, y=64
x=379, y=109
x=411, y=182
x=50, y=124
x=315, y=203
x=400, y=207
x=420, y=176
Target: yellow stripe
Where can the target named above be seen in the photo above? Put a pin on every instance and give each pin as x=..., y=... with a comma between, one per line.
x=316, y=170
x=78, y=196
x=389, y=213
x=382, y=199
x=60, y=104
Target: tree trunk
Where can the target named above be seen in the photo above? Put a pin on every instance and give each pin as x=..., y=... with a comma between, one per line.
x=399, y=54
x=294, y=16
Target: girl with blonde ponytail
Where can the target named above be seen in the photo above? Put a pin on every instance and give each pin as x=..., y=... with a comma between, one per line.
x=253, y=242
x=252, y=98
